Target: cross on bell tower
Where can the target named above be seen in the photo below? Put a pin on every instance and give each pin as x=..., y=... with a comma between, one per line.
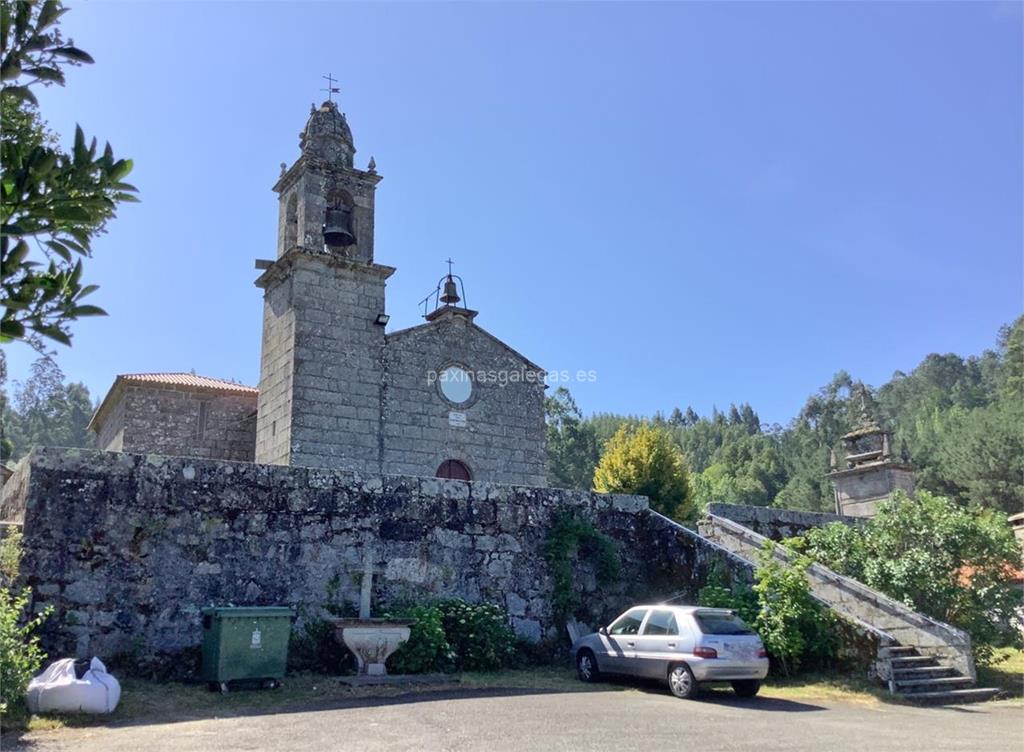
x=331, y=89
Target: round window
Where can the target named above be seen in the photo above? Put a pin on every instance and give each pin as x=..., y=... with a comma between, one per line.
x=456, y=384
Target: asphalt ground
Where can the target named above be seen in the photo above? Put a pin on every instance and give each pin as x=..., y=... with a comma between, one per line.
x=521, y=720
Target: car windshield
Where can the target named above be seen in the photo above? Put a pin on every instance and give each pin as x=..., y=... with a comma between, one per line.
x=721, y=624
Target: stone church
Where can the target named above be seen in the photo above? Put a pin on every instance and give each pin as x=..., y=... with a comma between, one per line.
x=445, y=398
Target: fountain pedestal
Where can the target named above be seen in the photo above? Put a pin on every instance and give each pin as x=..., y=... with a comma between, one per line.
x=372, y=641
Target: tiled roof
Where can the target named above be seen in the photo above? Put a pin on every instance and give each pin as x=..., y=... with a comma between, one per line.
x=168, y=380
x=187, y=380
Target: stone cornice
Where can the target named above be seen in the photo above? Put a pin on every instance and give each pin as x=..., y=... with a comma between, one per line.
x=861, y=469
x=282, y=267
x=303, y=163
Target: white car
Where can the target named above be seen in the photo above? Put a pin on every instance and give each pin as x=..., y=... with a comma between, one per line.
x=682, y=645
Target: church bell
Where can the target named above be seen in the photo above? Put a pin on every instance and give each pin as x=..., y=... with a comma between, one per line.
x=451, y=295
x=338, y=227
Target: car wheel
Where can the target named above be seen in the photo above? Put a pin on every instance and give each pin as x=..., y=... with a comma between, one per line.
x=682, y=683
x=586, y=667
x=746, y=688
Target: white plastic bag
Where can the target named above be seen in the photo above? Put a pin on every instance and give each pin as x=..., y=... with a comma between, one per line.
x=58, y=690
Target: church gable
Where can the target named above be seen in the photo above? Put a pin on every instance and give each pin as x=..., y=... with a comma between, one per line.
x=455, y=392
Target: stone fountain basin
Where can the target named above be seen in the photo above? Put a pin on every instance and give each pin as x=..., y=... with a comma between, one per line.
x=372, y=641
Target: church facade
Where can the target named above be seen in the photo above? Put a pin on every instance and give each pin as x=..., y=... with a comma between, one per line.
x=444, y=398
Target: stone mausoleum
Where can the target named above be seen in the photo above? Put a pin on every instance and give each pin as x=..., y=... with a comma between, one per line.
x=444, y=398
x=872, y=472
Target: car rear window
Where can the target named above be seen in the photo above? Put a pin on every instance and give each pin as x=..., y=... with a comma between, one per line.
x=721, y=624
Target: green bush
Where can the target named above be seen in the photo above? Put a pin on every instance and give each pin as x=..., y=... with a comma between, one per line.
x=427, y=649
x=479, y=634
x=20, y=655
x=797, y=631
x=950, y=562
x=718, y=593
x=453, y=635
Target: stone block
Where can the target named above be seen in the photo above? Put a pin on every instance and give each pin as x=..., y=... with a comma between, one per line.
x=528, y=629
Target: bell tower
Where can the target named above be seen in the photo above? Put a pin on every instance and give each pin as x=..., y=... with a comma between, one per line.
x=326, y=204
x=323, y=336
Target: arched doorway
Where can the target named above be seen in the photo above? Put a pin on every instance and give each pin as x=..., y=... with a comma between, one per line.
x=455, y=470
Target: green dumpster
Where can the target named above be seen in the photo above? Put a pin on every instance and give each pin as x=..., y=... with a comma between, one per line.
x=245, y=643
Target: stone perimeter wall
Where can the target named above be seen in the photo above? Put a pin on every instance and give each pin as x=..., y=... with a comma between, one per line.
x=778, y=524
x=128, y=548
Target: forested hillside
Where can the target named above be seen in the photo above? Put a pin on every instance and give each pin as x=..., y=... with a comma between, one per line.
x=960, y=419
x=46, y=411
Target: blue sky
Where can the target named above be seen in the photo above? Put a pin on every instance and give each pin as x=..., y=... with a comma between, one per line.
x=702, y=203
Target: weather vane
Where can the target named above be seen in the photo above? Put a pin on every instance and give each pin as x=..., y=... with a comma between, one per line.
x=331, y=89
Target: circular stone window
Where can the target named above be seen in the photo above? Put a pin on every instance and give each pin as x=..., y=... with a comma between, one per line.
x=456, y=384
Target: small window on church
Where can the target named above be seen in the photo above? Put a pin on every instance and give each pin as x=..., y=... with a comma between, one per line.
x=454, y=470
x=456, y=384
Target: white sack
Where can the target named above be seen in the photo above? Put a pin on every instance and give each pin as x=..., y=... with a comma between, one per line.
x=57, y=690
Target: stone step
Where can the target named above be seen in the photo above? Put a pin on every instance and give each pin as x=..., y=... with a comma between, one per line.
x=896, y=651
x=953, y=696
x=913, y=661
x=923, y=672
x=916, y=686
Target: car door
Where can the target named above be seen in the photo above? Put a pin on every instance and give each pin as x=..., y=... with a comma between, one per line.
x=657, y=644
x=619, y=644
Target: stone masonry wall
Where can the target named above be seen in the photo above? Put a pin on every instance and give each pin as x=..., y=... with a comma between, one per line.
x=502, y=437
x=333, y=352
x=777, y=524
x=128, y=548
x=859, y=491
x=274, y=416
x=186, y=422
x=111, y=436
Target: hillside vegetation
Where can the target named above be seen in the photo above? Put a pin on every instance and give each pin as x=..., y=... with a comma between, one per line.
x=959, y=419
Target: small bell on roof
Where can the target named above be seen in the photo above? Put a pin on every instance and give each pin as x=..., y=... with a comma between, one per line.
x=451, y=294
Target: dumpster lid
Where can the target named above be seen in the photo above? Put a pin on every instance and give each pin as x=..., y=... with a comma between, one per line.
x=244, y=612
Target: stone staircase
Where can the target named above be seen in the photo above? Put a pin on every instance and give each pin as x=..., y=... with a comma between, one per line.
x=920, y=659
x=924, y=679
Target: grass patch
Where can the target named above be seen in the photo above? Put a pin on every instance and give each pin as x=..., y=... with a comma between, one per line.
x=1007, y=673
x=824, y=687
